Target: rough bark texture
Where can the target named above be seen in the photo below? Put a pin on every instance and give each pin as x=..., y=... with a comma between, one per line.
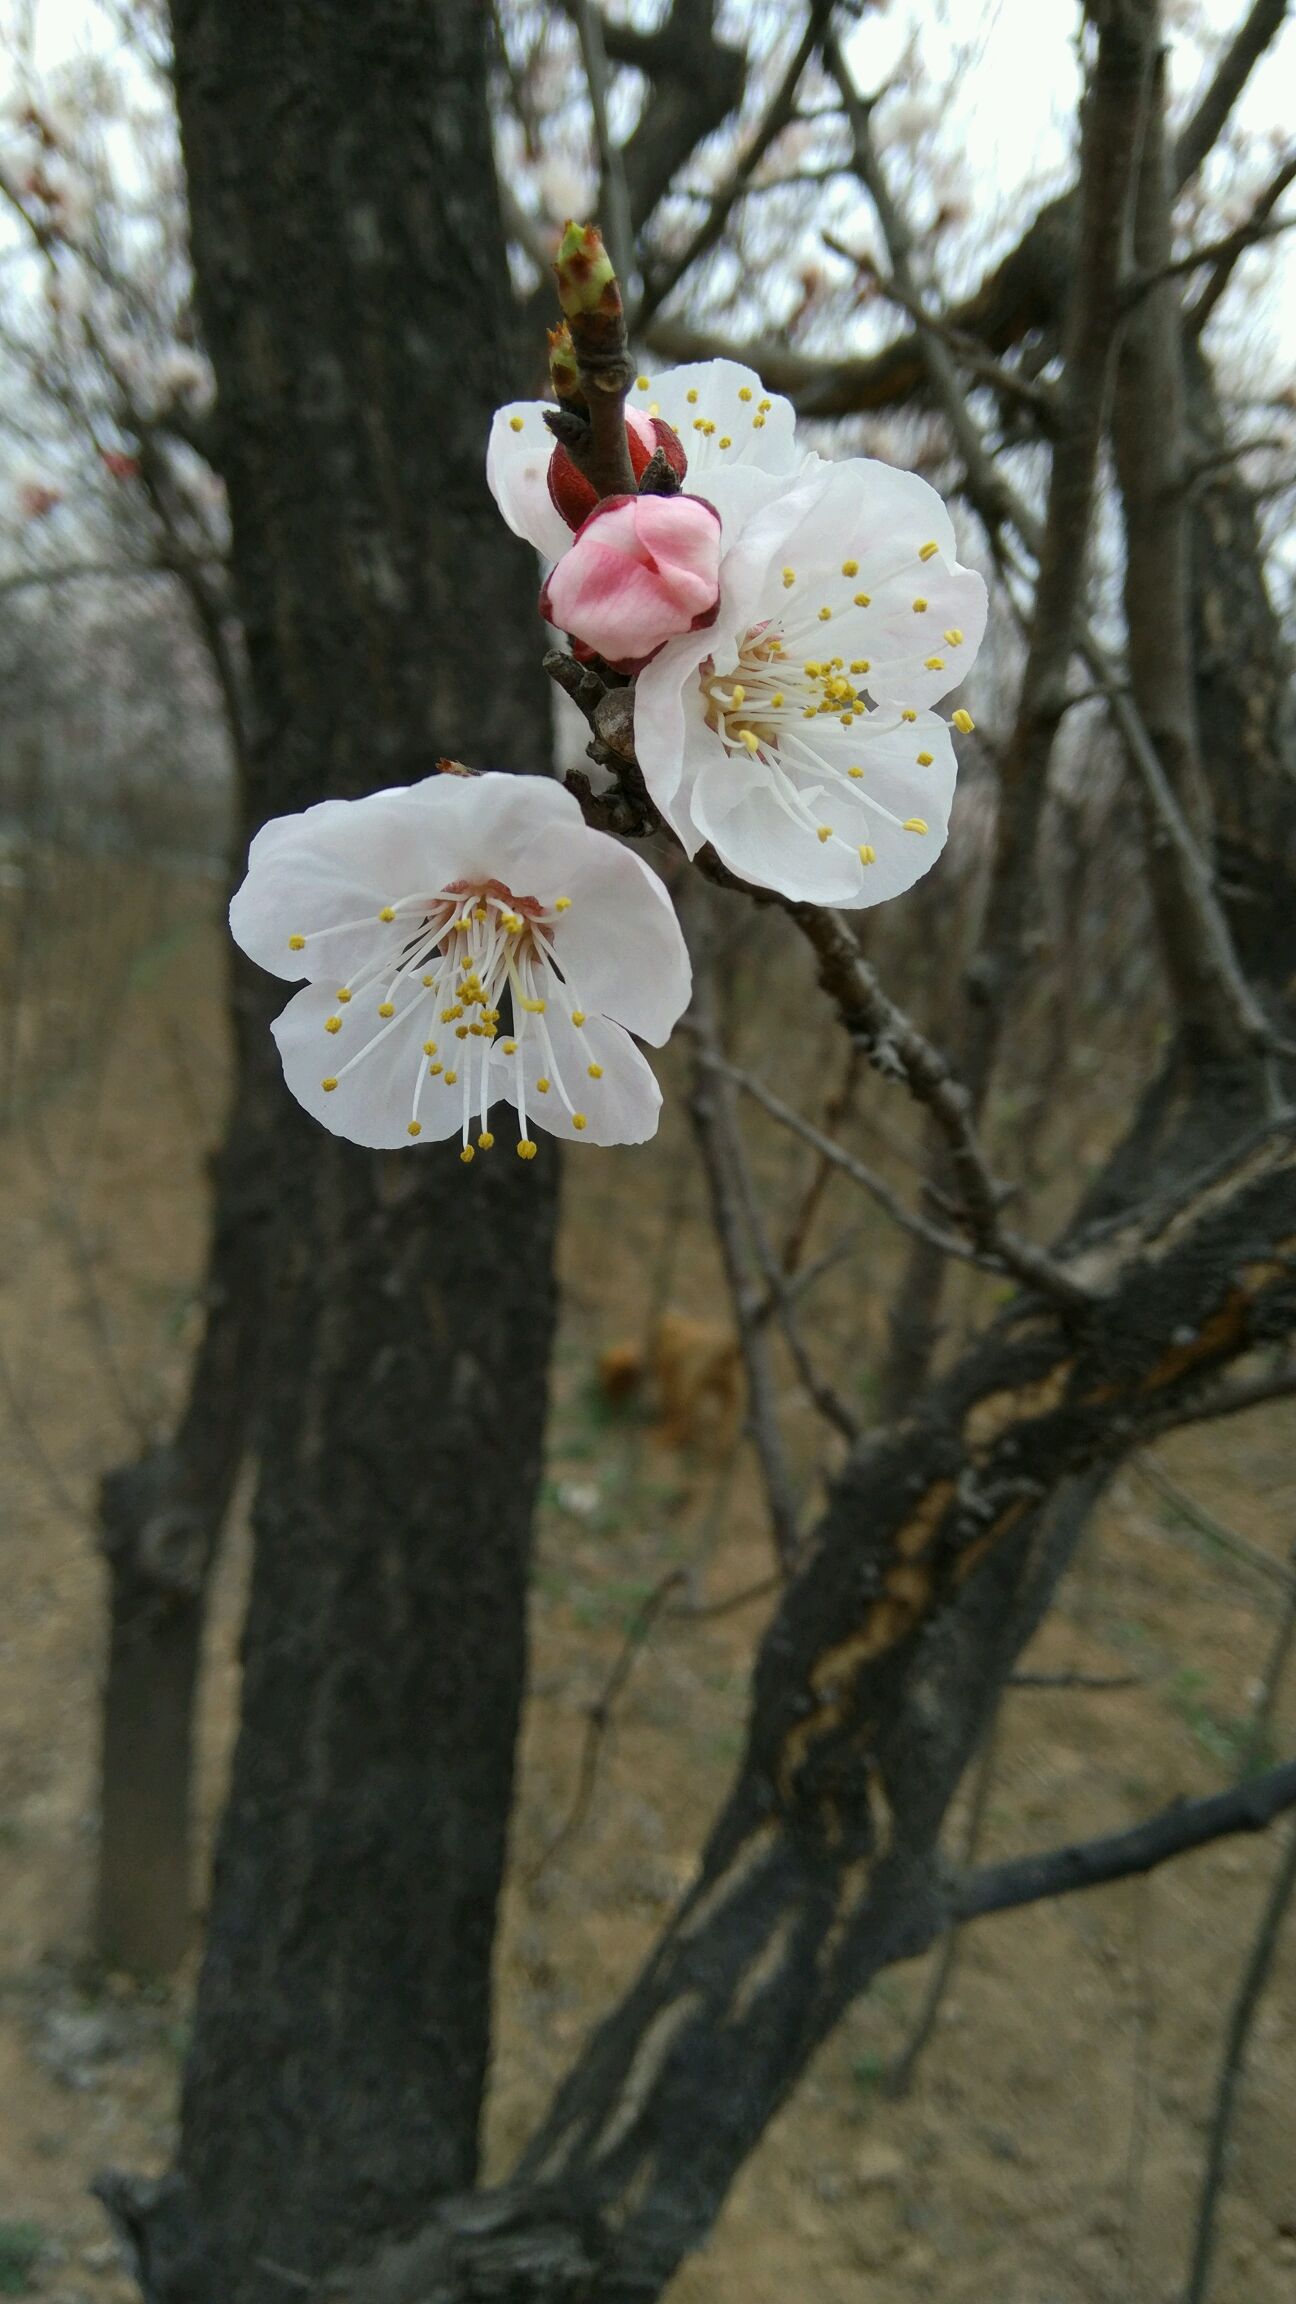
x=355, y=303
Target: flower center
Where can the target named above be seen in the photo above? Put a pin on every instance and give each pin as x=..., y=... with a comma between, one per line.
x=759, y=703
x=463, y=956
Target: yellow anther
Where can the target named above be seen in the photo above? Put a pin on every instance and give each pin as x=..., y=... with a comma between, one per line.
x=924, y=759
x=813, y=671
x=855, y=772
x=928, y=551
x=542, y=1085
x=825, y=832
x=526, y=1148
x=850, y=567
x=867, y=855
x=752, y=742
x=462, y=1030
x=429, y=1047
x=534, y=1007
x=789, y=578
x=450, y=1079
x=595, y=1071
x=579, y=1120
x=708, y=427
x=776, y=700
x=343, y=994
x=296, y=943
x=334, y=1024
x=433, y=1070
x=427, y=985
x=934, y=663
x=480, y=912
x=699, y=422
x=691, y=396
x=485, y=1141
x=954, y=637
x=726, y=442
x=562, y=904
x=839, y=687
x=744, y=392
x=914, y=824
x=509, y=1047
x=328, y=1085
x=388, y=912
x=740, y=695
x=386, y=1008
x=824, y=615
x=848, y=719
x=808, y=711
x=758, y=423
x=963, y=721
x=908, y=715
x=919, y=605
x=764, y=406
x=861, y=664
x=835, y=664
x=641, y=383
x=413, y=1127
x=515, y=423
x=578, y=1015
x=467, y=1154
x=863, y=599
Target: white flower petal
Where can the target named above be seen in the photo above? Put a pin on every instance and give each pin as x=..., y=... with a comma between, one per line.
x=737, y=806
x=620, y=1107
x=725, y=418
x=490, y=824
x=341, y=861
x=517, y=473
x=619, y=946
x=373, y=1101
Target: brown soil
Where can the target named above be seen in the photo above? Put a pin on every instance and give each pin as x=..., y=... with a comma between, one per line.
x=1050, y=2148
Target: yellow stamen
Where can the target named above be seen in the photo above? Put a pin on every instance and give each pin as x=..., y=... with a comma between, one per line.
x=825, y=832
x=924, y=759
x=595, y=1071
x=824, y=615
x=413, y=1127
x=867, y=855
x=328, y=1085
x=850, y=567
x=526, y=1148
x=515, y=423
x=562, y=904
x=691, y=396
x=296, y=943
x=386, y=1008
x=907, y=715
x=954, y=637
x=855, y=772
x=642, y=383
x=334, y=1024
x=387, y=912
x=928, y=551
x=934, y=663
x=789, y=578
x=343, y=995
x=467, y=1154
x=914, y=824
x=578, y=1015
x=579, y=1120
x=744, y=392
x=450, y=1079
x=863, y=599
x=963, y=721
x=485, y=1140
x=919, y=605
x=433, y=1070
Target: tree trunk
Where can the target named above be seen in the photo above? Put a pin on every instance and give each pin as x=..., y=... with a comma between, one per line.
x=355, y=301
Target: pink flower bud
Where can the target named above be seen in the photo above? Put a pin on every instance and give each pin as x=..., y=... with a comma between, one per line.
x=640, y=570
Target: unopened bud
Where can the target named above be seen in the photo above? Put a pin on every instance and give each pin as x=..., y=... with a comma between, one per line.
x=583, y=269
x=646, y=436
x=564, y=368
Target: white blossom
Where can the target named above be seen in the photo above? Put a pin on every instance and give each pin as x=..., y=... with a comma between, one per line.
x=464, y=940
x=795, y=733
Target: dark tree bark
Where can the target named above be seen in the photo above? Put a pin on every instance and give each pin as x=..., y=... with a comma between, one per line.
x=355, y=302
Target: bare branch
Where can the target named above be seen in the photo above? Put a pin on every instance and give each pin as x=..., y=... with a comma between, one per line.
x=1229, y=251
x=614, y=197
x=658, y=284
x=1176, y=1831
x=1257, y=31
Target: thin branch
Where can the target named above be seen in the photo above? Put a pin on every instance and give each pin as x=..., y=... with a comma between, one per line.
x=714, y=1124
x=598, y=1718
x=778, y=115
x=1148, y=1468
x=1254, y=1978
x=1176, y=1831
x=1258, y=29
x=1089, y=1683
x=1233, y=247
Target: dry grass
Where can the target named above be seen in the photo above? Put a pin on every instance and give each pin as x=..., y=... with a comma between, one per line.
x=1049, y=2152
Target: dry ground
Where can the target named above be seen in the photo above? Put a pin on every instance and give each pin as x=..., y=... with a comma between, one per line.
x=1049, y=2150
